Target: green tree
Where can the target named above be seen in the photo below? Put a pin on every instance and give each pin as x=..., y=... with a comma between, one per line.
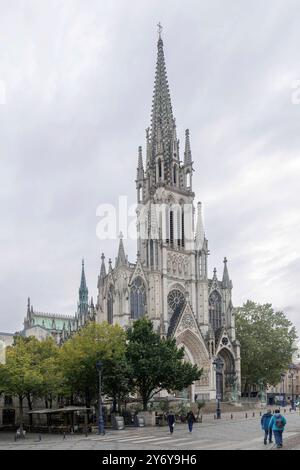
x=267, y=343
x=47, y=358
x=20, y=376
x=156, y=364
x=79, y=355
x=117, y=381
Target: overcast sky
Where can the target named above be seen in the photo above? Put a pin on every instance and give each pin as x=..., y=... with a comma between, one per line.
x=76, y=82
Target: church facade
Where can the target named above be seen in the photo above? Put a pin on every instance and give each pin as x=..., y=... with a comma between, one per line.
x=169, y=282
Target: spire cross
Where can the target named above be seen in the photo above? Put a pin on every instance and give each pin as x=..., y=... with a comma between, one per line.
x=160, y=28
x=225, y=260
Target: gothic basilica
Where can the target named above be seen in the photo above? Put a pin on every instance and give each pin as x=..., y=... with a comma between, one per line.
x=169, y=281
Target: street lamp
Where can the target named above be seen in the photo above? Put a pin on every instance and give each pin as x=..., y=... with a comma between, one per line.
x=282, y=375
x=101, y=430
x=218, y=365
x=291, y=376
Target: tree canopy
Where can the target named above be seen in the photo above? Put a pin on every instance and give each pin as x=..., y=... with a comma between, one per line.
x=79, y=355
x=30, y=370
x=267, y=342
x=155, y=363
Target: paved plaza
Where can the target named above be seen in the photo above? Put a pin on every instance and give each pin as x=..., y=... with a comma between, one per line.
x=225, y=434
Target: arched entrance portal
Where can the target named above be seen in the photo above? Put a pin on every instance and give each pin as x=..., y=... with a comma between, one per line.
x=226, y=385
x=187, y=393
x=196, y=354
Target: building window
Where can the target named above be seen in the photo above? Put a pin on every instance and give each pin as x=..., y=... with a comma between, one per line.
x=188, y=180
x=159, y=169
x=176, y=301
x=140, y=194
x=171, y=227
x=215, y=310
x=151, y=253
x=175, y=174
x=8, y=417
x=110, y=308
x=8, y=401
x=137, y=299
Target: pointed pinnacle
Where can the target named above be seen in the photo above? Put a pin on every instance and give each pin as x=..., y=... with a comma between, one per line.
x=226, y=280
x=187, y=152
x=200, y=235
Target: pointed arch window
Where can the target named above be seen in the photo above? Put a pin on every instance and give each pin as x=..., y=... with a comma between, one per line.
x=140, y=196
x=188, y=180
x=171, y=227
x=182, y=227
x=215, y=310
x=110, y=308
x=159, y=169
x=137, y=298
x=175, y=174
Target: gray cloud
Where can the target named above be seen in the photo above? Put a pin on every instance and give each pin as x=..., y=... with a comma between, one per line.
x=79, y=79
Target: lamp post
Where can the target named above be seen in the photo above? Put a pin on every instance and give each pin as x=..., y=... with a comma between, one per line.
x=291, y=376
x=218, y=365
x=101, y=430
x=282, y=381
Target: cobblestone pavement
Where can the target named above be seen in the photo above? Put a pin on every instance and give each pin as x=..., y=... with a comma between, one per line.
x=224, y=434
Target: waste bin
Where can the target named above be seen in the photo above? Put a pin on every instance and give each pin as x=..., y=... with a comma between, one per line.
x=118, y=423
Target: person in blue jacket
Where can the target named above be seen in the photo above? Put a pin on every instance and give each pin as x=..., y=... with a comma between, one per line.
x=277, y=424
x=265, y=421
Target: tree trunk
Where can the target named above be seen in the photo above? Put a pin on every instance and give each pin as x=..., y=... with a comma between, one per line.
x=87, y=404
x=29, y=401
x=21, y=413
x=145, y=403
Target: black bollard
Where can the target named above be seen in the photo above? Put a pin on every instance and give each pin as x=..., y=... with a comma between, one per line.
x=253, y=415
x=246, y=415
x=232, y=416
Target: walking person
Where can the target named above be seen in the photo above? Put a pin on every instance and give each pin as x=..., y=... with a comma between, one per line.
x=277, y=424
x=191, y=420
x=171, y=421
x=265, y=422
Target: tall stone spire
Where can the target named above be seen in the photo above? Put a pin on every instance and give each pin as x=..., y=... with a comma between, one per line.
x=200, y=235
x=226, y=282
x=121, y=259
x=162, y=120
x=83, y=292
